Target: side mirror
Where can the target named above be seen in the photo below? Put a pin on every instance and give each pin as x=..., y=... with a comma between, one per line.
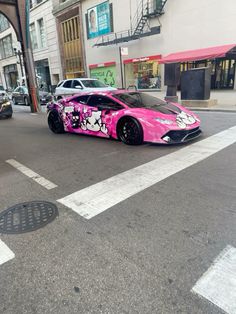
x=78, y=87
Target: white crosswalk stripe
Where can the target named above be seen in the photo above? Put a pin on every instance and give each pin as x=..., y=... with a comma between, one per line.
x=31, y=174
x=97, y=198
x=5, y=253
x=218, y=284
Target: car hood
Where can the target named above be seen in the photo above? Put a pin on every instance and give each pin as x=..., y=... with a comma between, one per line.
x=180, y=116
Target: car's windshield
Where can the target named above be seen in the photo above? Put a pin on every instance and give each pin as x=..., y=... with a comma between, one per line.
x=139, y=100
x=93, y=84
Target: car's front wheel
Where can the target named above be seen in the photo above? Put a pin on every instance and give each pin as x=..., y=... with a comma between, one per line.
x=55, y=122
x=130, y=131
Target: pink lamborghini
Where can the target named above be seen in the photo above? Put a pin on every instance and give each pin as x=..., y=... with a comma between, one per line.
x=129, y=116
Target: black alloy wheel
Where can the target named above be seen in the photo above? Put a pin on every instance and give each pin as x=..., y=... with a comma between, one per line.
x=55, y=123
x=26, y=101
x=130, y=131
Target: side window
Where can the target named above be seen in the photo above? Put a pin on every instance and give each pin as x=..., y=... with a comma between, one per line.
x=82, y=99
x=67, y=84
x=76, y=83
x=60, y=83
x=101, y=101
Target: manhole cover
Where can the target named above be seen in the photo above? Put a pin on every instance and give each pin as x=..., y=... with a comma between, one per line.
x=26, y=217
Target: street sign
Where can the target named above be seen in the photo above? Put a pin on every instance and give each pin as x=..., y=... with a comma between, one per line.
x=124, y=51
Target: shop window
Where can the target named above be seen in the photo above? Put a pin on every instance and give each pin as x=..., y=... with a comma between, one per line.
x=42, y=36
x=6, y=49
x=4, y=24
x=143, y=75
x=33, y=36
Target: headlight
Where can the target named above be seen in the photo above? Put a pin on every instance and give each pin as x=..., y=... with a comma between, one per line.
x=6, y=104
x=164, y=121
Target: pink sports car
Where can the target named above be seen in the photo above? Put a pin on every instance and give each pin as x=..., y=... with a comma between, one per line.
x=129, y=116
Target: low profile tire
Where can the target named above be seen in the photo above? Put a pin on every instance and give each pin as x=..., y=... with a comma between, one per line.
x=26, y=101
x=55, y=123
x=130, y=131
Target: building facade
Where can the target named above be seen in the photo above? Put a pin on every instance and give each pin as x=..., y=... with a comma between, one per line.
x=152, y=29
x=44, y=43
x=71, y=37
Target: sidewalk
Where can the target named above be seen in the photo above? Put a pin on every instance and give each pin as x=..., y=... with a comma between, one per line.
x=226, y=100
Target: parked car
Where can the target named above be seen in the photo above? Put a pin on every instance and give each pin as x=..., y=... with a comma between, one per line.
x=129, y=116
x=21, y=96
x=5, y=106
x=3, y=92
x=73, y=86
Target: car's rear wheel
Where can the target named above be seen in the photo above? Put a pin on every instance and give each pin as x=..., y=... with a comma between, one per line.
x=130, y=131
x=26, y=101
x=55, y=122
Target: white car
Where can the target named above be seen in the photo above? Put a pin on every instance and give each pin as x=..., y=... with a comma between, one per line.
x=78, y=85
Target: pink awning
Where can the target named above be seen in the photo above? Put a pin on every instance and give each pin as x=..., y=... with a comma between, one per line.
x=198, y=54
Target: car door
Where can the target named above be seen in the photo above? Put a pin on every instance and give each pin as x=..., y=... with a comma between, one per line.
x=16, y=94
x=76, y=87
x=66, y=88
x=72, y=113
x=97, y=115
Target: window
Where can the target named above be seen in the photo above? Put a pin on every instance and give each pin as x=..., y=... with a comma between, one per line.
x=33, y=36
x=42, y=37
x=101, y=101
x=82, y=99
x=6, y=49
x=4, y=24
x=93, y=84
x=76, y=83
x=139, y=100
x=70, y=29
x=67, y=84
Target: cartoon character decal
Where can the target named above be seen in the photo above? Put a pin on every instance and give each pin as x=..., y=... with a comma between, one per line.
x=75, y=120
x=86, y=120
x=92, y=121
x=183, y=119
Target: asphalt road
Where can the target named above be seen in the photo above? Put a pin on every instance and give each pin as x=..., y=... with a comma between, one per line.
x=143, y=255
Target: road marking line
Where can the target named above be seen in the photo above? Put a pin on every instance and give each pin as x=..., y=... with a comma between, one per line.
x=96, y=198
x=5, y=253
x=31, y=174
x=218, y=284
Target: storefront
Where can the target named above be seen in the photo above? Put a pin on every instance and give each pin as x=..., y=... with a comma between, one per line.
x=43, y=74
x=220, y=59
x=143, y=73
x=104, y=72
x=11, y=75
x=222, y=71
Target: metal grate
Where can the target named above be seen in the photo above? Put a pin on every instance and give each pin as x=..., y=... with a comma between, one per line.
x=26, y=217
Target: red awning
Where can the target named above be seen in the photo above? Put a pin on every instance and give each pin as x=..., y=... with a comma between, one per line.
x=198, y=54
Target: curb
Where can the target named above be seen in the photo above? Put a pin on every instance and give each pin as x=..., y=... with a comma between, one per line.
x=212, y=109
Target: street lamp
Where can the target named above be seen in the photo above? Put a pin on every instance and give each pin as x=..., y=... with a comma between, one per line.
x=18, y=54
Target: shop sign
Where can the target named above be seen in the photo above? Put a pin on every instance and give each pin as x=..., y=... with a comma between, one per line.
x=142, y=59
x=124, y=51
x=107, y=75
x=98, y=20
